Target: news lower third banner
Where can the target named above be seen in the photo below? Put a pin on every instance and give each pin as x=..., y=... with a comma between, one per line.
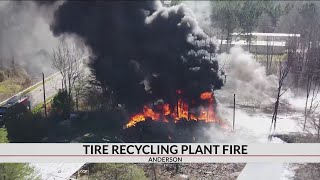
x=158, y=153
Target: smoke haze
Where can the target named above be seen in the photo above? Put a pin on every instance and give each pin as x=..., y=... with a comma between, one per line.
x=202, y=11
x=246, y=78
x=25, y=35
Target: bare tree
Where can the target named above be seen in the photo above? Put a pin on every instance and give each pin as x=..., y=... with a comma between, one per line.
x=312, y=102
x=312, y=87
x=80, y=87
x=68, y=60
x=310, y=112
x=270, y=53
x=60, y=56
x=284, y=69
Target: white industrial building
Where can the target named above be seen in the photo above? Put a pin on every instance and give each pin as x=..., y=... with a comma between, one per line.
x=262, y=43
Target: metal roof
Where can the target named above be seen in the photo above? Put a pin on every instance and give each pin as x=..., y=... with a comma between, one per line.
x=269, y=34
x=258, y=43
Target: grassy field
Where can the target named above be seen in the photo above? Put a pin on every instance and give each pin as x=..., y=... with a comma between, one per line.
x=3, y=136
x=12, y=82
x=9, y=87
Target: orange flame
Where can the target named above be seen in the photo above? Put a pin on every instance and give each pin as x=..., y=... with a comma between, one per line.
x=205, y=111
x=206, y=96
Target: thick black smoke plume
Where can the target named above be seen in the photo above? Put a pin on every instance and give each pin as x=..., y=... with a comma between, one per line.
x=143, y=51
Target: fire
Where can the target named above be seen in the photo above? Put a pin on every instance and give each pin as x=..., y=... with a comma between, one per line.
x=166, y=109
x=206, y=96
x=181, y=110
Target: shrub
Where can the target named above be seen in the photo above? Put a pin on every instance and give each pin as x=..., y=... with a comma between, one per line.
x=117, y=171
x=60, y=104
x=16, y=171
x=23, y=126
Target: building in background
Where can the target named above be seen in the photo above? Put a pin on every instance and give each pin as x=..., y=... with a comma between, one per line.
x=262, y=43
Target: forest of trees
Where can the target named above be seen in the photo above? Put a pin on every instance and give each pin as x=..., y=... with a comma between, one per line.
x=302, y=63
x=299, y=70
x=294, y=17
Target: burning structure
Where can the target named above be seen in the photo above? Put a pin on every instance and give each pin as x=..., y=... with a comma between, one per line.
x=153, y=60
x=199, y=110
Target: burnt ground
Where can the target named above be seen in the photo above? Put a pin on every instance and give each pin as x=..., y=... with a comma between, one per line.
x=193, y=171
x=160, y=132
x=101, y=127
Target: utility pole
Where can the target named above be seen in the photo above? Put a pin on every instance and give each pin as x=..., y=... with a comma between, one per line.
x=234, y=110
x=44, y=96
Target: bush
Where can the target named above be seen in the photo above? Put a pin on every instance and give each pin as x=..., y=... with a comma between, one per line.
x=117, y=171
x=23, y=126
x=16, y=171
x=3, y=135
x=60, y=104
